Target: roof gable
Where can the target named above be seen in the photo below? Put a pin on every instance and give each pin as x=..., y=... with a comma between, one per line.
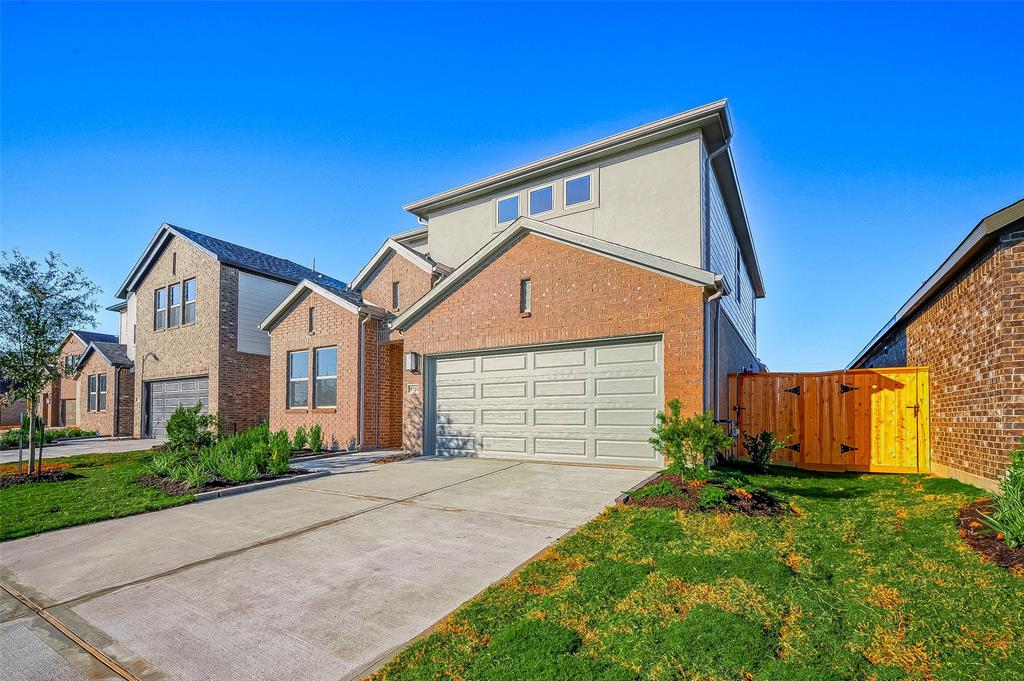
x=343, y=297
x=113, y=354
x=225, y=252
x=522, y=226
x=390, y=248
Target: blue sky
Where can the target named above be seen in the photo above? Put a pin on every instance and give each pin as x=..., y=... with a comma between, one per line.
x=869, y=138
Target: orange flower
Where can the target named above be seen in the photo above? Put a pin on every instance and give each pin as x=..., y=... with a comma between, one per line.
x=1000, y=536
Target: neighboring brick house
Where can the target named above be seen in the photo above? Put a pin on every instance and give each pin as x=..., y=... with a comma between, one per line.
x=966, y=324
x=106, y=389
x=578, y=294
x=60, y=406
x=193, y=305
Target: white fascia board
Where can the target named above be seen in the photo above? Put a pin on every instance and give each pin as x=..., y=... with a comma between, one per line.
x=522, y=226
x=306, y=285
x=715, y=113
x=378, y=257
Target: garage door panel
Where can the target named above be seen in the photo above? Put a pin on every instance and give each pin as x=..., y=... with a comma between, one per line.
x=592, y=402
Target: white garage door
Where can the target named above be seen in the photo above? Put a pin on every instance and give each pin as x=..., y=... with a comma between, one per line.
x=591, y=403
x=166, y=396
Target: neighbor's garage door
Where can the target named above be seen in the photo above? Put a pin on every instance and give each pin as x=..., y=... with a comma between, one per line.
x=166, y=396
x=591, y=403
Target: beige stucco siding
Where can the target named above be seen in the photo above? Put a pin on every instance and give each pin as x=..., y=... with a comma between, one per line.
x=648, y=199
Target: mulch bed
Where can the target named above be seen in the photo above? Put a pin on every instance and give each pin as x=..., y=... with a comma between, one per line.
x=398, y=456
x=979, y=537
x=176, y=488
x=46, y=476
x=755, y=503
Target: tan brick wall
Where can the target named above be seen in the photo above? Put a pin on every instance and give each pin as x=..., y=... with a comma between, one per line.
x=972, y=340
x=100, y=421
x=62, y=389
x=243, y=383
x=335, y=326
x=577, y=295
x=186, y=350
x=413, y=283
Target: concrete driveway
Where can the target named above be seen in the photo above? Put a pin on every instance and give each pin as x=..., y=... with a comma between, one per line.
x=317, y=580
x=98, y=445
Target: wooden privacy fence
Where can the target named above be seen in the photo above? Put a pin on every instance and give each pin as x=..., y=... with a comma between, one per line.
x=872, y=420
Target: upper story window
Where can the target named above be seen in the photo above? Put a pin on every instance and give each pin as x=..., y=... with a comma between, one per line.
x=160, y=309
x=394, y=295
x=188, y=311
x=173, y=305
x=298, y=379
x=542, y=200
x=525, y=296
x=508, y=209
x=577, y=190
x=325, y=383
x=101, y=392
x=70, y=362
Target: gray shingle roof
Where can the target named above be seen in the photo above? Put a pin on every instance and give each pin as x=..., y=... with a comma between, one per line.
x=114, y=353
x=260, y=263
x=92, y=336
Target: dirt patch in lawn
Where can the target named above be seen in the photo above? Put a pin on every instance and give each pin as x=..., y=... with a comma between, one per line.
x=982, y=539
x=685, y=496
x=177, y=488
x=59, y=475
x=397, y=456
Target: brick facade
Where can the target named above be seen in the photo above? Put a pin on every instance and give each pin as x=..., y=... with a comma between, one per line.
x=63, y=389
x=243, y=378
x=335, y=326
x=414, y=282
x=577, y=295
x=185, y=351
x=116, y=417
x=971, y=338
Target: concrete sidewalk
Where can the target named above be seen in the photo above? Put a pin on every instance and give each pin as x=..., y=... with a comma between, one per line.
x=85, y=446
x=318, y=580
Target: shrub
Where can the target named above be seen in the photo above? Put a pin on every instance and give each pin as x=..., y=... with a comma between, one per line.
x=710, y=497
x=193, y=474
x=280, y=453
x=190, y=431
x=762, y=446
x=301, y=439
x=163, y=463
x=658, y=489
x=688, y=442
x=1008, y=515
x=236, y=467
x=316, y=438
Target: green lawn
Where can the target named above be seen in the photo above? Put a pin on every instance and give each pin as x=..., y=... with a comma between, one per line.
x=866, y=579
x=106, y=489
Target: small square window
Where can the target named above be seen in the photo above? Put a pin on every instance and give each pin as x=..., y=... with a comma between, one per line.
x=508, y=209
x=577, y=190
x=542, y=200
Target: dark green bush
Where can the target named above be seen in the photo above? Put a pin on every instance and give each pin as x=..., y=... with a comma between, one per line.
x=301, y=439
x=1008, y=515
x=762, y=446
x=190, y=431
x=316, y=438
x=711, y=497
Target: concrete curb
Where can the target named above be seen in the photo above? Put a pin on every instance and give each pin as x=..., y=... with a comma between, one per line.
x=624, y=497
x=256, y=486
x=324, y=455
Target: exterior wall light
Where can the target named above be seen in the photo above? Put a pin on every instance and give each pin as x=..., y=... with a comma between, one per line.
x=412, y=362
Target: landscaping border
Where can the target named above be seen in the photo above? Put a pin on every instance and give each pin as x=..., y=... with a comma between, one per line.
x=256, y=486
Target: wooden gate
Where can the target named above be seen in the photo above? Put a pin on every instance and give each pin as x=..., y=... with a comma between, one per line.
x=872, y=420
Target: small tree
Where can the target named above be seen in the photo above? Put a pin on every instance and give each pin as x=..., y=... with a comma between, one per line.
x=762, y=446
x=39, y=303
x=688, y=442
x=189, y=431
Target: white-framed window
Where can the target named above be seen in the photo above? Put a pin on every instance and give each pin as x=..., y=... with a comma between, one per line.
x=101, y=392
x=508, y=209
x=188, y=310
x=325, y=377
x=160, y=309
x=578, y=189
x=394, y=295
x=173, y=305
x=91, y=403
x=298, y=379
x=542, y=200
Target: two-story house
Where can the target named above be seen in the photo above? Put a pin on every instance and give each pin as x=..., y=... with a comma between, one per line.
x=61, y=405
x=191, y=310
x=545, y=312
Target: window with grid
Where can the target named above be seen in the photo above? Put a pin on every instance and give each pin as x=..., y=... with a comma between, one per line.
x=101, y=392
x=173, y=305
x=325, y=383
x=91, y=405
x=298, y=379
x=160, y=309
x=188, y=310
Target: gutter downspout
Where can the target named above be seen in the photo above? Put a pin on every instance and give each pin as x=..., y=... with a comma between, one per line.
x=360, y=388
x=710, y=377
x=117, y=401
x=716, y=300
